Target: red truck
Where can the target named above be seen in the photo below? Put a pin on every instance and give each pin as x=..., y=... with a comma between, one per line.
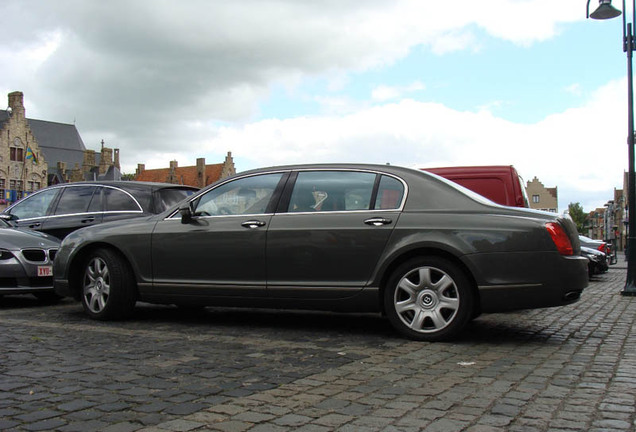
x=499, y=183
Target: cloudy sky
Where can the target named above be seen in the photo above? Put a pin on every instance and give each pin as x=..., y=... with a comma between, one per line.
x=419, y=83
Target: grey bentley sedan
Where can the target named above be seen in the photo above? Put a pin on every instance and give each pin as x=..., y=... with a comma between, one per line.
x=421, y=250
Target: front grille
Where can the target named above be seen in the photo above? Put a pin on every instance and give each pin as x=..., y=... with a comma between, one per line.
x=34, y=255
x=52, y=253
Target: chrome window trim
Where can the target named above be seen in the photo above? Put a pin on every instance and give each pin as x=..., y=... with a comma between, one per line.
x=105, y=212
x=362, y=170
x=175, y=215
x=140, y=208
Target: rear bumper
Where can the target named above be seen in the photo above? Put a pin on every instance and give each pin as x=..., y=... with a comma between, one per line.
x=529, y=280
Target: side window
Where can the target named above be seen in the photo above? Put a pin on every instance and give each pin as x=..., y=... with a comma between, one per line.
x=171, y=196
x=75, y=199
x=390, y=193
x=248, y=195
x=118, y=200
x=35, y=205
x=332, y=191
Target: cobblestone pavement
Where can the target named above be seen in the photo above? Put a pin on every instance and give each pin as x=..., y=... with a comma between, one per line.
x=561, y=369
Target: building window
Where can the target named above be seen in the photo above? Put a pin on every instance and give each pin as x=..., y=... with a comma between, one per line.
x=16, y=154
x=535, y=199
x=12, y=184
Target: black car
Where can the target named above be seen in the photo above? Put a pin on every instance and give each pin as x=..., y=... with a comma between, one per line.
x=597, y=261
x=61, y=209
x=362, y=238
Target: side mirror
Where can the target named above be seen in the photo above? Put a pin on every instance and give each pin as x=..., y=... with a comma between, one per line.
x=186, y=213
x=8, y=217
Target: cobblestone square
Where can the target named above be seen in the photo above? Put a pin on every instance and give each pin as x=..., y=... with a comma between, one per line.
x=562, y=369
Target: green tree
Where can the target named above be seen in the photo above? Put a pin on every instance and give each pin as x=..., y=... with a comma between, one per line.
x=578, y=215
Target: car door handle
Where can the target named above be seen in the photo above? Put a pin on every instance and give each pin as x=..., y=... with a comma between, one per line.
x=253, y=224
x=35, y=225
x=88, y=219
x=378, y=221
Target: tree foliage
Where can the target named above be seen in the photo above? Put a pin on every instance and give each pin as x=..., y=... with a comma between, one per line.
x=578, y=215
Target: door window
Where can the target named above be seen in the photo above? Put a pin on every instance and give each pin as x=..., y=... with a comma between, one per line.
x=35, y=205
x=332, y=191
x=75, y=199
x=248, y=195
x=390, y=194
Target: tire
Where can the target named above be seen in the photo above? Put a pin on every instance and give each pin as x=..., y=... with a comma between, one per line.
x=108, y=286
x=429, y=299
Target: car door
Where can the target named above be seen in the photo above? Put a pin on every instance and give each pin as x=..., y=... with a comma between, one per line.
x=75, y=209
x=33, y=210
x=220, y=249
x=326, y=241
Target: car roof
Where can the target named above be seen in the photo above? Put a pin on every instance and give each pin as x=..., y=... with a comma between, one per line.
x=124, y=183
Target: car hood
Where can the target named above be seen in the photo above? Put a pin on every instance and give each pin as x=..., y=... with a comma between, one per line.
x=14, y=238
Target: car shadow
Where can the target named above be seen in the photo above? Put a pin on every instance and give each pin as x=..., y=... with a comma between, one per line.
x=317, y=326
x=24, y=301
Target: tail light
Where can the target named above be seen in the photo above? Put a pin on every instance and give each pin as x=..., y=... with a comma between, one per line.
x=560, y=238
x=603, y=248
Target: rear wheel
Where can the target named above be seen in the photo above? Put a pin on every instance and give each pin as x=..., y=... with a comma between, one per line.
x=429, y=299
x=108, y=286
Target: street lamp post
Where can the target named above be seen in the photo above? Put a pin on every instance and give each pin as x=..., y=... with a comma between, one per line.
x=607, y=11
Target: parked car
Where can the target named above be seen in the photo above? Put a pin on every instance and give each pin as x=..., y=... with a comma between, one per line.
x=61, y=209
x=597, y=261
x=414, y=246
x=499, y=183
x=26, y=261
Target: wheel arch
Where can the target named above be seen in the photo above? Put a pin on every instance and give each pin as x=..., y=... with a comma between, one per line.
x=76, y=266
x=427, y=252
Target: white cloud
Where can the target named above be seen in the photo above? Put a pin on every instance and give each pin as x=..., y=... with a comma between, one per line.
x=385, y=93
x=557, y=150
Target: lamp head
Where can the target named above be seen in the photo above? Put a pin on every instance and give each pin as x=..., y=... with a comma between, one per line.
x=605, y=10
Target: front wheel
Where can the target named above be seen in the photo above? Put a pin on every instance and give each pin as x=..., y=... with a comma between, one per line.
x=429, y=299
x=108, y=286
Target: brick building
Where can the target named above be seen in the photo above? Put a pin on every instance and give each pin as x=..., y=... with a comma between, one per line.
x=37, y=153
x=23, y=165
x=199, y=175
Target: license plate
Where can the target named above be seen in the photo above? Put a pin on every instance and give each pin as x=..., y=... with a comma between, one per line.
x=44, y=271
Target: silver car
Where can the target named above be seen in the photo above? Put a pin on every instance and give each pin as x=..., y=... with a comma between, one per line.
x=26, y=261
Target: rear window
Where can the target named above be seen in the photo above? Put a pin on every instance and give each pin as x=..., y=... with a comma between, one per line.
x=170, y=196
x=117, y=200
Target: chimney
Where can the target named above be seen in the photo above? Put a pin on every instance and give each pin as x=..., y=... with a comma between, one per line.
x=105, y=159
x=201, y=172
x=140, y=168
x=16, y=103
x=172, y=175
